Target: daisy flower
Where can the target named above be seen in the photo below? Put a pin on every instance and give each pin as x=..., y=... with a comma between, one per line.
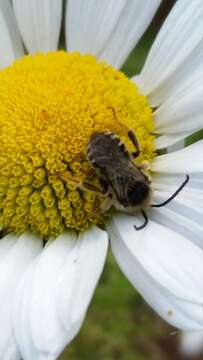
x=54, y=234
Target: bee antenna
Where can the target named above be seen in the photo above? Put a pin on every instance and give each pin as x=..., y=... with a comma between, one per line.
x=144, y=223
x=174, y=194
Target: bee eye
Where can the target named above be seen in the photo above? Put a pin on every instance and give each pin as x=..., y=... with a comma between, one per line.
x=137, y=193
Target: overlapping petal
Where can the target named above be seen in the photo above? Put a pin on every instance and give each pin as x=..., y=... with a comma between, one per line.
x=187, y=160
x=56, y=291
x=165, y=267
x=181, y=114
x=180, y=35
x=107, y=29
x=39, y=22
x=133, y=22
x=184, y=213
x=10, y=44
x=16, y=255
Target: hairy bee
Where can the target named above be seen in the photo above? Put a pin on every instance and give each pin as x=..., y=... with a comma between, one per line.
x=125, y=185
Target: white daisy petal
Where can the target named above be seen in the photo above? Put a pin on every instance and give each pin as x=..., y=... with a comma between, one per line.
x=190, y=71
x=5, y=245
x=187, y=160
x=182, y=113
x=166, y=180
x=190, y=198
x=165, y=268
x=107, y=29
x=89, y=24
x=39, y=22
x=19, y=253
x=56, y=291
x=184, y=213
x=178, y=38
x=10, y=44
x=166, y=141
x=182, y=220
x=132, y=23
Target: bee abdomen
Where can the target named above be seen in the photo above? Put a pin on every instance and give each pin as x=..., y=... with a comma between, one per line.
x=103, y=146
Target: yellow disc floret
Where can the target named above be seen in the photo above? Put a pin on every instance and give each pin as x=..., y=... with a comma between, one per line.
x=49, y=107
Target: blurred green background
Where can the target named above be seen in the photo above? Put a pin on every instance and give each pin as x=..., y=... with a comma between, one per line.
x=119, y=325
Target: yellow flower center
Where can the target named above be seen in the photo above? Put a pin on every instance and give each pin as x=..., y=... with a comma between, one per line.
x=49, y=107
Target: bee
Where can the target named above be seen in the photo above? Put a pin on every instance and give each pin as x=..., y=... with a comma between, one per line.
x=125, y=185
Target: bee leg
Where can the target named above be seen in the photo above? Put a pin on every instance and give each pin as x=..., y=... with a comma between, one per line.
x=131, y=135
x=144, y=166
x=135, y=142
x=106, y=204
x=91, y=187
x=83, y=185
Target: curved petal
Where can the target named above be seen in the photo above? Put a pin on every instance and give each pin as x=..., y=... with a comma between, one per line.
x=166, y=141
x=190, y=71
x=54, y=295
x=184, y=213
x=179, y=36
x=187, y=160
x=107, y=29
x=17, y=254
x=10, y=44
x=39, y=22
x=132, y=23
x=182, y=113
x=165, y=268
x=181, y=219
x=89, y=24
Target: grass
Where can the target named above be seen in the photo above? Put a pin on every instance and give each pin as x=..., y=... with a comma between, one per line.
x=119, y=325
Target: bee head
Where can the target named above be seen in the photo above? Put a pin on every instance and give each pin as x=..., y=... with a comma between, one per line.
x=131, y=190
x=137, y=193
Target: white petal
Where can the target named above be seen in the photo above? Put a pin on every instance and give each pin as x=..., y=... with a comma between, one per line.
x=183, y=214
x=182, y=112
x=164, y=141
x=107, y=29
x=190, y=71
x=132, y=23
x=181, y=219
x=195, y=183
x=179, y=36
x=16, y=258
x=55, y=293
x=165, y=268
x=190, y=197
x=89, y=24
x=187, y=160
x=39, y=22
x=10, y=44
x=191, y=343
x=5, y=245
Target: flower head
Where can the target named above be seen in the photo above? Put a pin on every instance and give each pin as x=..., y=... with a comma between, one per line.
x=51, y=103
x=50, y=106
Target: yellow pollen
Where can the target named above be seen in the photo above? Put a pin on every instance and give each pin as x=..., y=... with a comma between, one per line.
x=49, y=107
